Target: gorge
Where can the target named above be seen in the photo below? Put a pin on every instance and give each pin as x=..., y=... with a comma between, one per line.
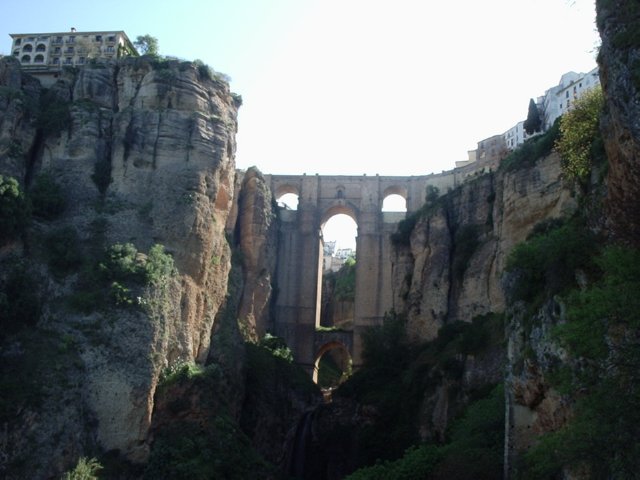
x=159, y=312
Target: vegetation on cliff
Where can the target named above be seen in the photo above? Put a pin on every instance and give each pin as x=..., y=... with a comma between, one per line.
x=398, y=377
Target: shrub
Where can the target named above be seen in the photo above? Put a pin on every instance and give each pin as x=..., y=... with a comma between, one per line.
x=531, y=150
x=579, y=130
x=345, y=281
x=85, y=469
x=546, y=264
x=277, y=346
x=14, y=212
x=601, y=334
x=47, y=198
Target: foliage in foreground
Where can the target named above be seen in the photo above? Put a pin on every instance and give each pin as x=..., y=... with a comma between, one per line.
x=579, y=134
x=85, y=469
x=397, y=375
x=601, y=335
x=474, y=450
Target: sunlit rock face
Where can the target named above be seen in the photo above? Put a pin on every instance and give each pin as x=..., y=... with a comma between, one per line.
x=144, y=153
x=452, y=266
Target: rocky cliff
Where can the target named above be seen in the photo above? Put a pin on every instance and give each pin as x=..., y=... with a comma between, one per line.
x=140, y=155
x=451, y=265
x=619, y=61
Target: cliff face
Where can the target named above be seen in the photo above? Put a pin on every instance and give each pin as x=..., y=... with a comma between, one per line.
x=452, y=266
x=619, y=61
x=143, y=153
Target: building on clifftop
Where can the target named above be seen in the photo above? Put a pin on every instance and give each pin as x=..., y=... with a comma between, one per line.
x=45, y=54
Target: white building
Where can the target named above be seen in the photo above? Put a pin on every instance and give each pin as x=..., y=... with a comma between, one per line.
x=44, y=54
x=556, y=101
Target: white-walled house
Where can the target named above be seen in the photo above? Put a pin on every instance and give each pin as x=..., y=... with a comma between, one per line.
x=45, y=54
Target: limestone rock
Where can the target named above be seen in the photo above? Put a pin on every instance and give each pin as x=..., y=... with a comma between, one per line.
x=147, y=157
x=619, y=58
x=458, y=252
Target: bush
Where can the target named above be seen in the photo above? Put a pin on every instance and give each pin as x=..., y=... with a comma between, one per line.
x=546, y=264
x=579, y=130
x=14, y=212
x=531, y=150
x=474, y=451
x=601, y=335
x=85, y=469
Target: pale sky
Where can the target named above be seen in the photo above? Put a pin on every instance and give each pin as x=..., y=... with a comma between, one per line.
x=394, y=87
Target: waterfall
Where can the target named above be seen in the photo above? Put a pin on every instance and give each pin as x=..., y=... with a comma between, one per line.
x=300, y=446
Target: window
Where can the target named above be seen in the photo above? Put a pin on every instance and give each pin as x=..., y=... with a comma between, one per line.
x=56, y=61
x=41, y=47
x=560, y=105
x=567, y=94
x=71, y=39
x=39, y=59
x=568, y=103
x=81, y=60
x=18, y=41
x=69, y=50
x=25, y=59
x=68, y=61
x=16, y=53
x=98, y=38
x=57, y=40
x=111, y=39
x=57, y=50
x=31, y=39
x=27, y=48
x=110, y=49
x=580, y=84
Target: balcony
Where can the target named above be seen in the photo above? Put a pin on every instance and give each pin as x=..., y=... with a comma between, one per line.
x=56, y=41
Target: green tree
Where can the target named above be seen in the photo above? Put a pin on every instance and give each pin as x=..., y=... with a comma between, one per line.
x=533, y=122
x=146, y=45
x=578, y=131
x=86, y=469
x=14, y=212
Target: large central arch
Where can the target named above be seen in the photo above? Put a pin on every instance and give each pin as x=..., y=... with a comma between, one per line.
x=299, y=253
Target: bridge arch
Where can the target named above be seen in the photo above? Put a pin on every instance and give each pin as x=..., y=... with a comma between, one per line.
x=343, y=362
x=297, y=305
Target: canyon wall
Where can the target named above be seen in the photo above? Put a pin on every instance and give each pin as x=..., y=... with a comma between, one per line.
x=142, y=153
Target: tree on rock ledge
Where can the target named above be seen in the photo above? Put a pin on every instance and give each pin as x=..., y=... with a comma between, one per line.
x=146, y=45
x=533, y=122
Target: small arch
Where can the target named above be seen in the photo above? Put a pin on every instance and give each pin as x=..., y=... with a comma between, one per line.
x=38, y=59
x=27, y=48
x=394, y=203
x=25, y=59
x=337, y=210
x=288, y=201
x=333, y=365
x=287, y=196
x=41, y=48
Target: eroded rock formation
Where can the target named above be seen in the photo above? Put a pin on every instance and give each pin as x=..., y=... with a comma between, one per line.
x=619, y=61
x=144, y=154
x=452, y=266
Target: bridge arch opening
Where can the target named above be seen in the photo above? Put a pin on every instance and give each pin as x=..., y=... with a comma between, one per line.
x=394, y=199
x=333, y=365
x=337, y=269
x=287, y=197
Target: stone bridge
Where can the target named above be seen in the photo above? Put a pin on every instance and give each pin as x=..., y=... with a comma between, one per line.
x=299, y=264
